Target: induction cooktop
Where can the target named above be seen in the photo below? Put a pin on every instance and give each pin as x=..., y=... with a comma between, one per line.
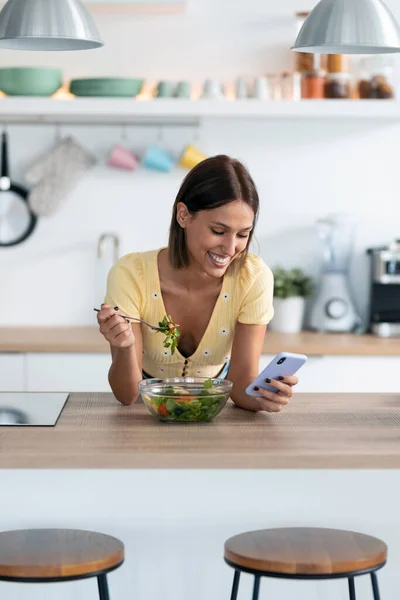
x=40, y=409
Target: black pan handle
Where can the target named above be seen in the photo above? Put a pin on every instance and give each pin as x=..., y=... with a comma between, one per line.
x=4, y=156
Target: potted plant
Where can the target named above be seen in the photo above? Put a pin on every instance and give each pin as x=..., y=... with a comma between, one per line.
x=291, y=288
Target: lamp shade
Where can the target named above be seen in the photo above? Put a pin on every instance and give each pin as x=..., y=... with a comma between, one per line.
x=349, y=27
x=47, y=25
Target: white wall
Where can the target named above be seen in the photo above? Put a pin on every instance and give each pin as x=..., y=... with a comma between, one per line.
x=303, y=169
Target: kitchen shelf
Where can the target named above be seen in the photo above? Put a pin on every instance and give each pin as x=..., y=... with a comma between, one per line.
x=123, y=110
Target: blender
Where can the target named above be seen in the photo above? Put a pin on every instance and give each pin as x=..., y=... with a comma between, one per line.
x=333, y=308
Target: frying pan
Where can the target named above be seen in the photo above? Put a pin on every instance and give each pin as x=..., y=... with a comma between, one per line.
x=17, y=221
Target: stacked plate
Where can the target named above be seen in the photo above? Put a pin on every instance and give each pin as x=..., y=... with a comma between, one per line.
x=106, y=86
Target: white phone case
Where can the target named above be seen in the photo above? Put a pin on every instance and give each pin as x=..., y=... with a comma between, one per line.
x=284, y=363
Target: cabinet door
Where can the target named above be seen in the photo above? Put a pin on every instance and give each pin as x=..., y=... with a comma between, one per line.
x=65, y=372
x=347, y=374
x=353, y=374
x=12, y=373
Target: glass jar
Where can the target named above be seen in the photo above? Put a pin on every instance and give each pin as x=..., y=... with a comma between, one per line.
x=274, y=86
x=290, y=86
x=376, y=78
x=313, y=84
x=337, y=85
x=305, y=61
x=337, y=63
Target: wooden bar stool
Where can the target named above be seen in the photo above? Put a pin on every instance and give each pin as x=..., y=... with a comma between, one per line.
x=55, y=555
x=305, y=553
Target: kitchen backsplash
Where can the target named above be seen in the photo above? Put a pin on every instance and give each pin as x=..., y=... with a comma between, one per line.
x=303, y=170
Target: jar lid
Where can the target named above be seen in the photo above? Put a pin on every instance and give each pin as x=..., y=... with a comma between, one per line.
x=338, y=63
x=315, y=73
x=339, y=76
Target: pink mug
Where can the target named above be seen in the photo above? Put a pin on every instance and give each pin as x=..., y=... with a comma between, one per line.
x=123, y=158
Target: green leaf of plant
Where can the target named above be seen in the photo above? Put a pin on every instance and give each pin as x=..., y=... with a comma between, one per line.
x=291, y=283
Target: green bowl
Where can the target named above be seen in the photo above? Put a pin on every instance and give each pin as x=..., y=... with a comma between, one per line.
x=30, y=81
x=106, y=86
x=185, y=399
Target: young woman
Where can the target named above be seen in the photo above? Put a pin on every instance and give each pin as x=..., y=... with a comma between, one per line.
x=218, y=293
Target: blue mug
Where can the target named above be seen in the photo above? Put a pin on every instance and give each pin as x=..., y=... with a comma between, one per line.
x=158, y=159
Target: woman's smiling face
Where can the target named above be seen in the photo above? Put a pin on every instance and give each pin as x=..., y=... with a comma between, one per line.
x=216, y=237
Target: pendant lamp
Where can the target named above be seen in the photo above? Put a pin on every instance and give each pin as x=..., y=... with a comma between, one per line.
x=47, y=25
x=349, y=27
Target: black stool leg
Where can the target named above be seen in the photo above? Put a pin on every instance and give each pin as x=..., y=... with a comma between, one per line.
x=256, y=588
x=375, y=588
x=103, y=587
x=235, y=586
x=352, y=589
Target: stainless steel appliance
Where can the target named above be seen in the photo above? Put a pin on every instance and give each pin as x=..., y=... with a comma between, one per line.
x=384, y=301
x=41, y=409
x=333, y=308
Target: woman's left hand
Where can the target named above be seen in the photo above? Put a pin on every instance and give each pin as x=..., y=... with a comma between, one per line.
x=275, y=401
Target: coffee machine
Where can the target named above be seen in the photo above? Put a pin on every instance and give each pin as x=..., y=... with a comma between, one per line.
x=384, y=305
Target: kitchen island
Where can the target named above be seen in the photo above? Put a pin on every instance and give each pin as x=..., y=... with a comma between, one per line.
x=314, y=431
x=174, y=493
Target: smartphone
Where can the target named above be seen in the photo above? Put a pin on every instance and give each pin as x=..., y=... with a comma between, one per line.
x=284, y=363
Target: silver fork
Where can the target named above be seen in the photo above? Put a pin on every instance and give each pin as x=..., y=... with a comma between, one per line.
x=139, y=321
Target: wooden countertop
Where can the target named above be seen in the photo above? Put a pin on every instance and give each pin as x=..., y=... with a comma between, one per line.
x=88, y=339
x=315, y=431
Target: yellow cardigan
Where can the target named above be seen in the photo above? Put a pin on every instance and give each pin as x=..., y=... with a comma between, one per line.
x=133, y=284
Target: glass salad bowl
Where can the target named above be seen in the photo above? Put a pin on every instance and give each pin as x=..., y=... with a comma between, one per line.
x=185, y=399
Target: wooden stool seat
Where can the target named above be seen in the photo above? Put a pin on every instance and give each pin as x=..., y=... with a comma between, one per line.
x=45, y=554
x=305, y=551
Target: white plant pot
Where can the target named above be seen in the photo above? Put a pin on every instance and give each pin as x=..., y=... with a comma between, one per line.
x=288, y=315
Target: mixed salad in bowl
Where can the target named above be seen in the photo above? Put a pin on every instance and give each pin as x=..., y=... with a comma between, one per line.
x=185, y=399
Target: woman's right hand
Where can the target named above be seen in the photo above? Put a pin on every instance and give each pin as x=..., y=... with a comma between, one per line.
x=117, y=330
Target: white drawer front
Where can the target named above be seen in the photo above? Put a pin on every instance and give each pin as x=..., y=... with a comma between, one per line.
x=347, y=374
x=12, y=372
x=64, y=372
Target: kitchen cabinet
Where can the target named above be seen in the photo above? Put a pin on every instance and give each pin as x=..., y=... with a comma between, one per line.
x=347, y=373
x=12, y=372
x=67, y=372
x=88, y=372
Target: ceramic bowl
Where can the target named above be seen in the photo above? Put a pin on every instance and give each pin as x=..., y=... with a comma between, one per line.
x=30, y=81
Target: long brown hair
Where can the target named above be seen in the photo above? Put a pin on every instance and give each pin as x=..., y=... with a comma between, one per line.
x=214, y=182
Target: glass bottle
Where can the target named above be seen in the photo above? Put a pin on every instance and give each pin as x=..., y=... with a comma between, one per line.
x=337, y=86
x=313, y=84
x=338, y=79
x=376, y=78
